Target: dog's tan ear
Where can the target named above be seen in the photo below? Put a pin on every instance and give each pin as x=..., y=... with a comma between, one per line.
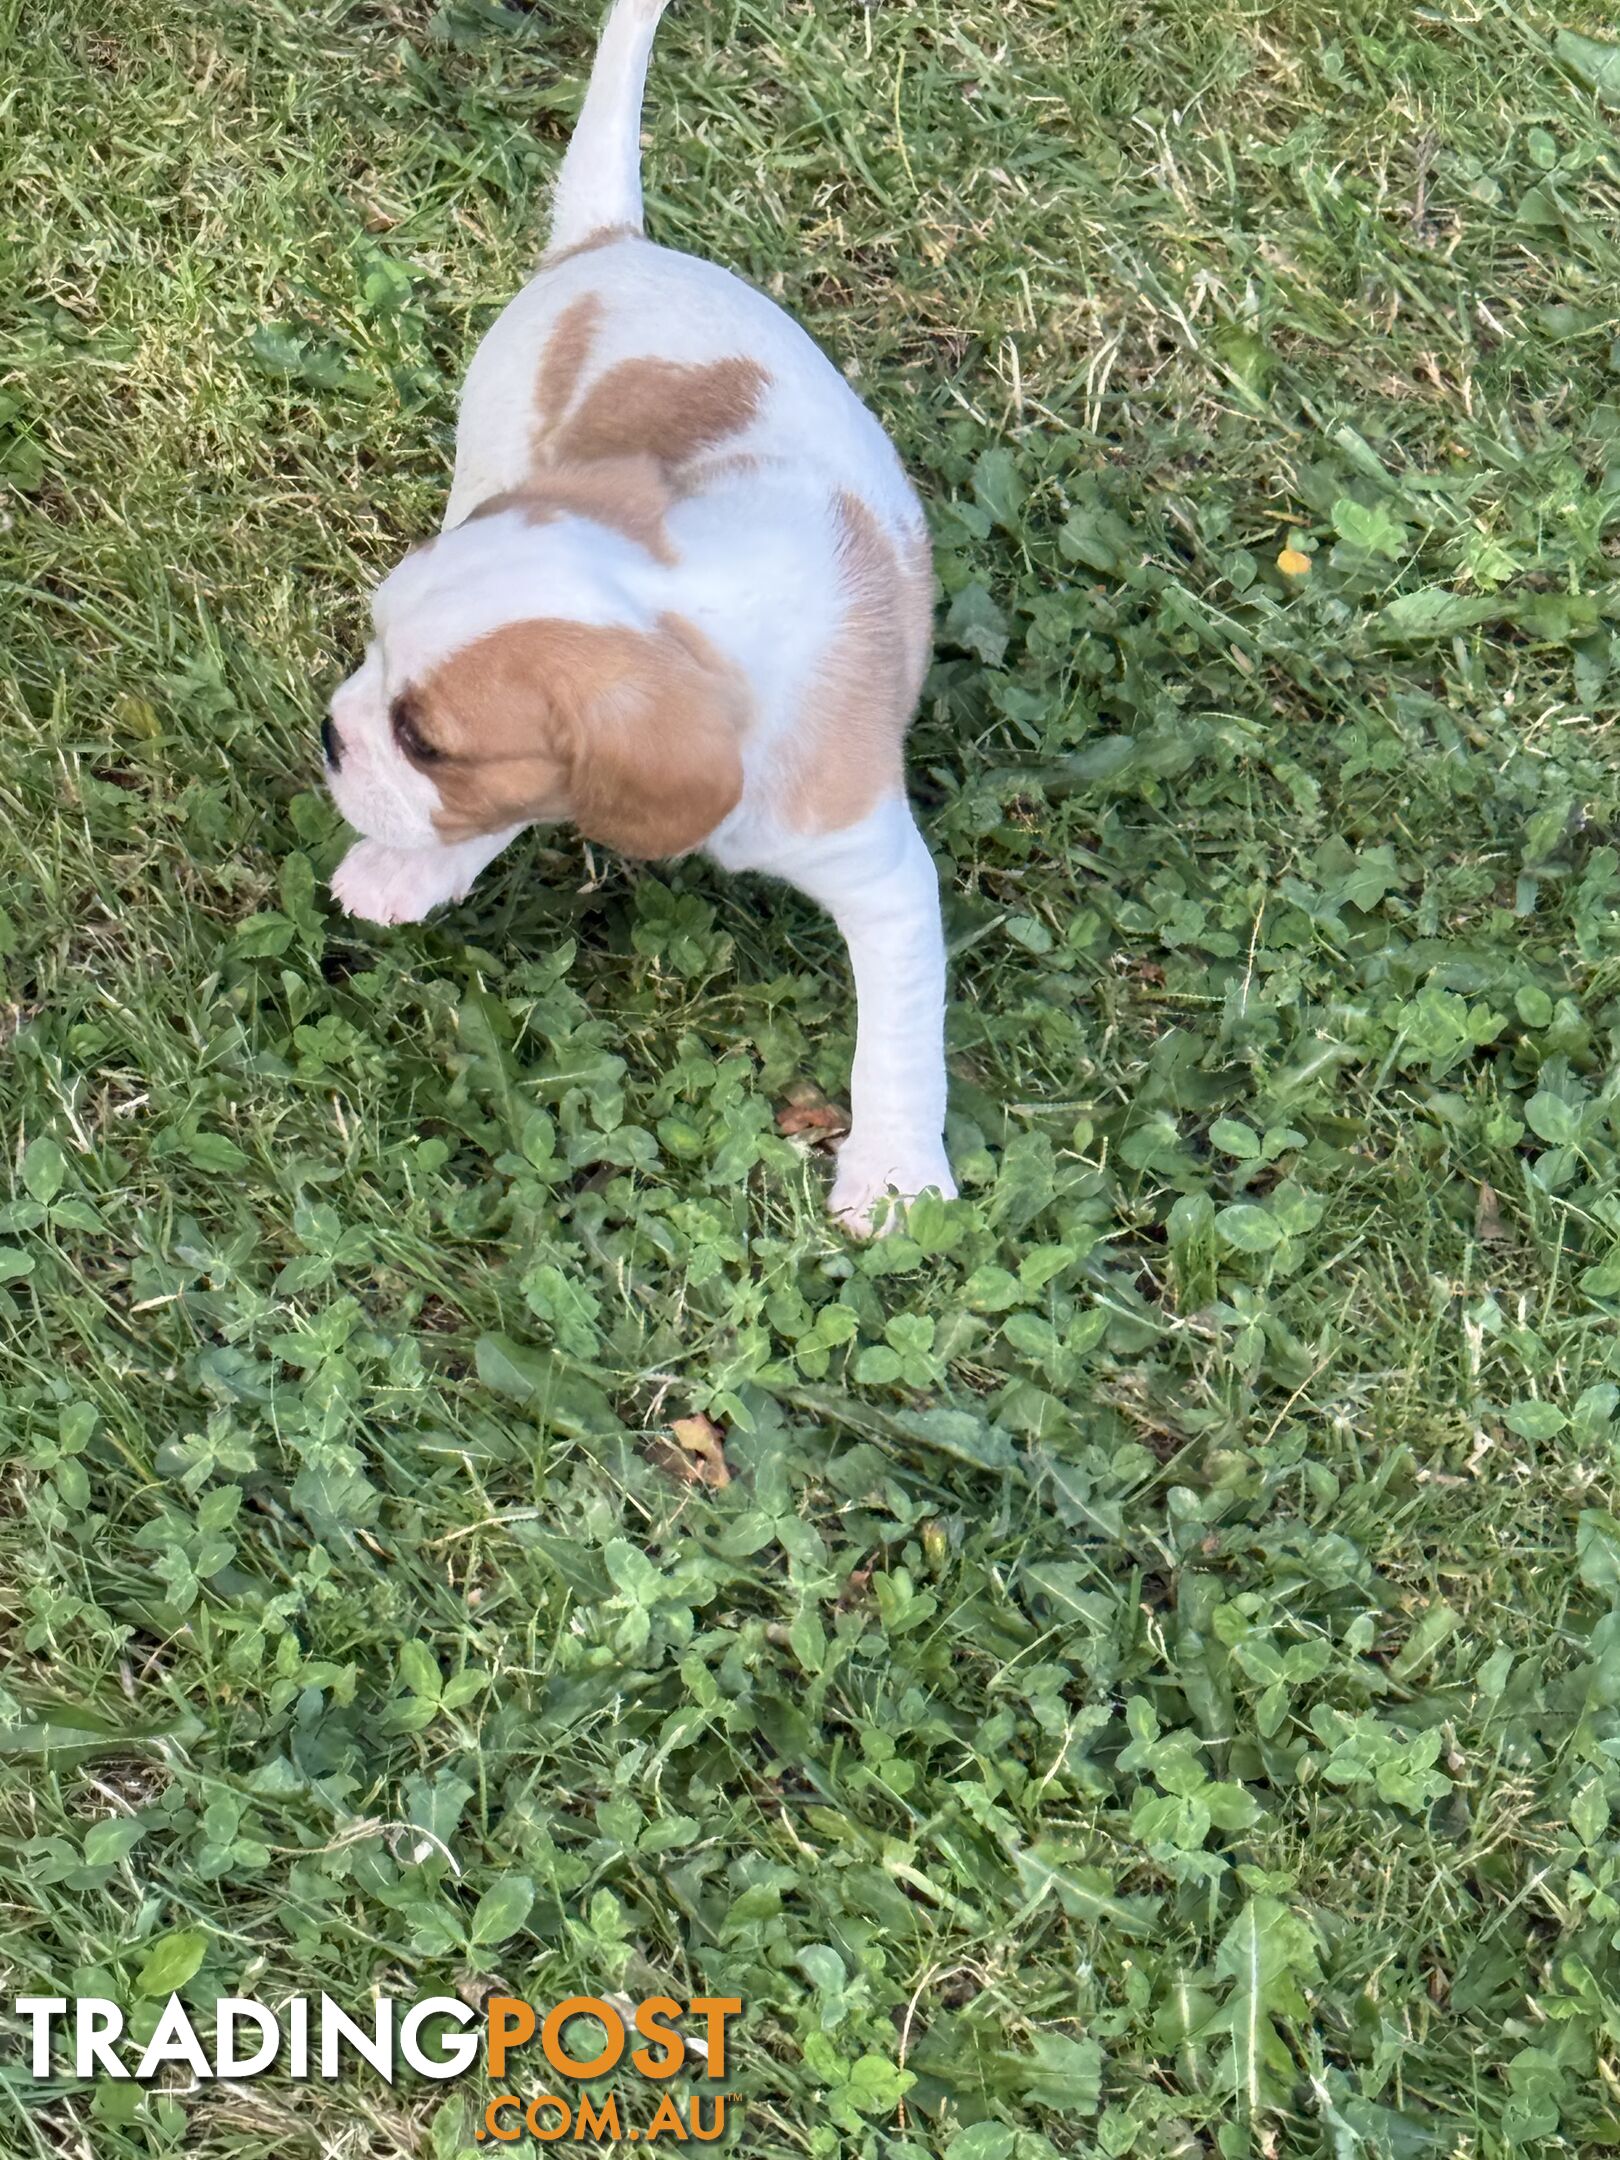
x=654, y=740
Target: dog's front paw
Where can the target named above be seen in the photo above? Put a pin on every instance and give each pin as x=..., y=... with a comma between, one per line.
x=873, y=1185
x=397, y=885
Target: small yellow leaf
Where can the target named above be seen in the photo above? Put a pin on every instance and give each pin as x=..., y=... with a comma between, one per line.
x=137, y=716
x=704, y=1460
x=1293, y=564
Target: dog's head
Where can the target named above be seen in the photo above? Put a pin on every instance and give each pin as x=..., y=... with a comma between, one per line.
x=518, y=673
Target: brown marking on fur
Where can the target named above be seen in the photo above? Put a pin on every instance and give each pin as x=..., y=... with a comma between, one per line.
x=917, y=575
x=493, y=505
x=629, y=495
x=633, y=735
x=562, y=363
x=604, y=236
x=847, y=751
x=715, y=471
x=664, y=409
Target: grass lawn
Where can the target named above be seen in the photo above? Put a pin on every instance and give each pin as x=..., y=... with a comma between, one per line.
x=1140, y=1672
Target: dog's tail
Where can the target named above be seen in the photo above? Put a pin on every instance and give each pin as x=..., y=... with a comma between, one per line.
x=599, y=187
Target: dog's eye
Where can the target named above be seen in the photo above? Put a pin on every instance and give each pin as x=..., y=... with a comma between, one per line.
x=407, y=733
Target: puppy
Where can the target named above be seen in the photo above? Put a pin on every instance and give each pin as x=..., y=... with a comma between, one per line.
x=681, y=599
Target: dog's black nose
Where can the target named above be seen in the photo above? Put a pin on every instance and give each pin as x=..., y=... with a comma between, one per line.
x=330, y=745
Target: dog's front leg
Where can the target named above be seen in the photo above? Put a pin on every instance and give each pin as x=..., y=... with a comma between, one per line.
x=399, y=885
x=878, y=882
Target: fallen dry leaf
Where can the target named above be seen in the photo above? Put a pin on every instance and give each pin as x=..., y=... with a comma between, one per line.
x=699, y=1455
x=807, y=1110
x=856, y=1585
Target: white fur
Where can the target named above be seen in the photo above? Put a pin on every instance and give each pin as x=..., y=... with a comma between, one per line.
x=399, y=885
x=754, y=568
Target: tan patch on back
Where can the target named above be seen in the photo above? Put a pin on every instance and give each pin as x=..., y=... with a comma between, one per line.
x=847, y=749
x=633, y=735
x=629, y=495
x=604, y=236
x=662, y=409
x=563, y=362
x=666, y=411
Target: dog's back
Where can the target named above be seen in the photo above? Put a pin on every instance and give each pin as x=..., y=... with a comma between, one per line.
x=619, y=348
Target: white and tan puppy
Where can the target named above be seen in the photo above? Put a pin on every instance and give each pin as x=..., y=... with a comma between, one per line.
x=682, y=599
